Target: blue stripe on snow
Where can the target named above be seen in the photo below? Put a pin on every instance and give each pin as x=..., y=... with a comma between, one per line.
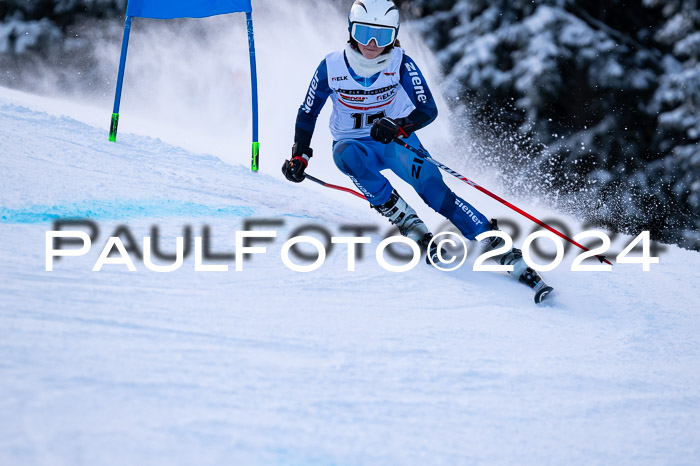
x=119, y=210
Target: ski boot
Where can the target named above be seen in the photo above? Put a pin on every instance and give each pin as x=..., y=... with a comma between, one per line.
x=532, y=279
x=403, y=216
x=409, y=224
x=431, y=253
x=521, y=271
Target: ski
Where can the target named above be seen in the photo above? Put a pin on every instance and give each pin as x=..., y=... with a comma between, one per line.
x=543, y=291
x=528, y=276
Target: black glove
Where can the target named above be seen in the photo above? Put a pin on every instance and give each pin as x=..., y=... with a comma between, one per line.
x=386, y=130
x=294, y=169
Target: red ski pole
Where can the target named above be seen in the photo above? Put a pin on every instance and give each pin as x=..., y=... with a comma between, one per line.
x=424, y=154
x=332, y=186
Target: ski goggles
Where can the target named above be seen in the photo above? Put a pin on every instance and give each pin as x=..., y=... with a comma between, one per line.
x=364, y=33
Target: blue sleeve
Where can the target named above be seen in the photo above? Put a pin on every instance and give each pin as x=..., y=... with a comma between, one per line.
x=313, y=103
x=414, y=84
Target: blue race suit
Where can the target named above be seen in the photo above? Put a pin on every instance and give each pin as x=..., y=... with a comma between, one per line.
x=362, y=158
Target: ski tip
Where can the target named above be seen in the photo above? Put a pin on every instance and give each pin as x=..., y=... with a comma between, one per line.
x=542, y=294
x=601, y=259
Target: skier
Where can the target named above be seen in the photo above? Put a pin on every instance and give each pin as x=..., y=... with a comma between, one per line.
x=378, y=94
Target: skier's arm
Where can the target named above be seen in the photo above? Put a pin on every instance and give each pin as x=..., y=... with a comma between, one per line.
x=315, y=97
x=416, y=87
x=385, y=129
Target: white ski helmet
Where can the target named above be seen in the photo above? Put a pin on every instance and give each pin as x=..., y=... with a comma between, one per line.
x=374, y=19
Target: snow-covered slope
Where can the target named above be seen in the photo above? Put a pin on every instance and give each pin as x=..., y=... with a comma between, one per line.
x=270, y=366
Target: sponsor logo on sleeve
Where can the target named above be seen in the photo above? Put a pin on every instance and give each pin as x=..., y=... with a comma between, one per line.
x=417, y=82
x=311, y=96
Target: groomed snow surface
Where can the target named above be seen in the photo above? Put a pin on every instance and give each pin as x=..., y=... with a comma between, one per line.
x=269, y=366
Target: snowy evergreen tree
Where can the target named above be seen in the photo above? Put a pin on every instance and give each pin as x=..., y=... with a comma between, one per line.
x=601, y=98
x=677, y=104
x=37, y=34
x=593, y=102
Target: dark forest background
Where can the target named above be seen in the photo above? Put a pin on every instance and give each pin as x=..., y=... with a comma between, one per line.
x=592, y=104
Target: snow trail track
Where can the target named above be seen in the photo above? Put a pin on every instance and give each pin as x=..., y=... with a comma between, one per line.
x=268, y=366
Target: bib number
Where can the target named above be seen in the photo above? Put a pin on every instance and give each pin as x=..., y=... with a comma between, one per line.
x=368, y=119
